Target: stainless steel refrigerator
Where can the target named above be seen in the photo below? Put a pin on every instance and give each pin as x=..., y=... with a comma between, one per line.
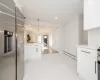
x=20, y=44
x=11, y=41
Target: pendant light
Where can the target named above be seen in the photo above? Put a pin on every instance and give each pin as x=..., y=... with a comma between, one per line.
x=38, y=25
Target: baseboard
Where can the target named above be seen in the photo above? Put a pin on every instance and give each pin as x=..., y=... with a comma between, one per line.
x=70, y=55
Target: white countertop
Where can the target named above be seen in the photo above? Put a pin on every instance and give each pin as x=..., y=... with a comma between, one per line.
x=33, y=44
x=88, y=47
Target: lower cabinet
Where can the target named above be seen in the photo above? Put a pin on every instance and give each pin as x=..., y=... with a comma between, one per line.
x=32, y=51
x=86, y=65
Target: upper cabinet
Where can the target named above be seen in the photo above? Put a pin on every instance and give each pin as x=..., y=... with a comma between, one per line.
x=91, y=14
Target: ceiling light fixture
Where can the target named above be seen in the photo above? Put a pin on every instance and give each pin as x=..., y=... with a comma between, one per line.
x=28, y=25
x=56, y=17
x=38, y=25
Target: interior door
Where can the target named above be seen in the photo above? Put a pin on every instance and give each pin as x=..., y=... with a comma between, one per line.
x=45, y=39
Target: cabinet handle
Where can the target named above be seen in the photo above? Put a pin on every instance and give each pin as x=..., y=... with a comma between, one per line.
x=36, y=49
x=85, y=52
x=95, y=67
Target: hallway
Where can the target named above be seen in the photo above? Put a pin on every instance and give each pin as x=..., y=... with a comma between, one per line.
x=51, y=67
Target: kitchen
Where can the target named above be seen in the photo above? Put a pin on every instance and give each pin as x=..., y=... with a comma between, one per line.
x=15, y=41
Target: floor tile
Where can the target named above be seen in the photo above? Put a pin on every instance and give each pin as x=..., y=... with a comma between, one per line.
x=51, y=67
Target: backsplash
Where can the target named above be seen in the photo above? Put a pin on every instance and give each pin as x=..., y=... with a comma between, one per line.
x=94, y=37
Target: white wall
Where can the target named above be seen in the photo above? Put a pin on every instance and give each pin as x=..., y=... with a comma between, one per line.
x=31, y=33
x=58, y=39
x=72, y=36
x=75, y=35
x=94, y=37
x=67, y=37
x=50, y=39
x=83, y=35
x=62, y=39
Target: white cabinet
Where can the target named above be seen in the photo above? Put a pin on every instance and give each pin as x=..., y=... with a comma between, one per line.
x=32, y=51
x=86, y=64
x=91, y=14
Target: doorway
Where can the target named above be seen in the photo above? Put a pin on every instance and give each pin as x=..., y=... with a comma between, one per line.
x=45, y=40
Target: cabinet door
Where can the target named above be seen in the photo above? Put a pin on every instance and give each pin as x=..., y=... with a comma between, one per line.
x=91, y=14
x=87, y=66
x=88, y=21
x=38, y=52
x=96, y=11
x=90, y=68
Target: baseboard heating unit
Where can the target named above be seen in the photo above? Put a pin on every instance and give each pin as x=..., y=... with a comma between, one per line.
x=70, y=55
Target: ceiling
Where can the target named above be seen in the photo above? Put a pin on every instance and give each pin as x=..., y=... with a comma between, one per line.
x=47, y=10
x=42, y=30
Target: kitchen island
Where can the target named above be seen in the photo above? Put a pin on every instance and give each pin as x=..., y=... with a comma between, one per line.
x=32, y=51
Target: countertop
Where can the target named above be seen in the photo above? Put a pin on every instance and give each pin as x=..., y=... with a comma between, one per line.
x=33, y=44
x=88, y=47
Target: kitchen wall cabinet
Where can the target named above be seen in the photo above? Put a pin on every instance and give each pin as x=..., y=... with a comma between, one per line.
x=91, y=14
x=86, y=64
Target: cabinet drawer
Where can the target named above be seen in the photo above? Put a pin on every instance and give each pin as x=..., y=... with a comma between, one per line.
x=88, y=52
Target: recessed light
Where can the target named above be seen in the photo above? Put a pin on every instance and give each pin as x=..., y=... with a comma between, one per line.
x=56, y=17
x=28, y=25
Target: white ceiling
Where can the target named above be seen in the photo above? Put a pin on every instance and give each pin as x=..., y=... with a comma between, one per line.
x=42, y=30
x=47, y=10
